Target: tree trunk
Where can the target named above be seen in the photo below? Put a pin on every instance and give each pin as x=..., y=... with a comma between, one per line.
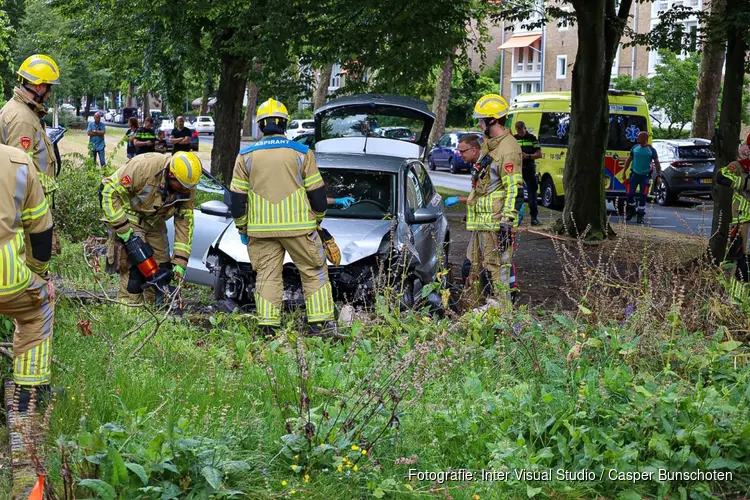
x=709, y=76
x=207, y=88
x=321, y=89
x=132, y=102
x=89, y=97
x=726, y=142
x=585, y=201
x=252, y=102
x=442, y=98
x=228, y=116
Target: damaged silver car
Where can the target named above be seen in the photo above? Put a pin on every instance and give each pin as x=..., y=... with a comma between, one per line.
x=395, y=231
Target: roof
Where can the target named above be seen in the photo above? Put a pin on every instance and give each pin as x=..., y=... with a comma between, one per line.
x=375, y=99
x=686, y=142
x=359, y=161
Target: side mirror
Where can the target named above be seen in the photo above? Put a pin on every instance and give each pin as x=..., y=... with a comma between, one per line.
x=423, y=216
x=215, y=207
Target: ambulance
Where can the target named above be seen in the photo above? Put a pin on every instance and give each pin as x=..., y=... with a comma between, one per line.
x=547, y=116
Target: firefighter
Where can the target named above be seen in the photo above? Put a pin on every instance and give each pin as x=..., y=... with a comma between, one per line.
x=278, y=201
x=26, y=292
x=137, y=200
x=497, y=188
x=21, y=118
x=736, y=175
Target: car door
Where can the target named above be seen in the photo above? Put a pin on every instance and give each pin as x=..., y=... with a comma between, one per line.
x=425, y=241
x=441, y=157
x=210, y=217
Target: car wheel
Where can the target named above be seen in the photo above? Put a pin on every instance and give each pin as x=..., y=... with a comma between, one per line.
x=663, y=195
x=452, y=165
x=549, y=194
x=431, y=163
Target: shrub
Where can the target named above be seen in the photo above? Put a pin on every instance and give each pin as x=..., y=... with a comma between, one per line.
x=77, y=211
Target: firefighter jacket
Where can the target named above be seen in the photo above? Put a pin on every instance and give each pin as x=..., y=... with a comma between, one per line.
x=493, y=200
x=25, y=223
x=738, y=174
x=137, y=196
x=21, y=127
x=276, y=174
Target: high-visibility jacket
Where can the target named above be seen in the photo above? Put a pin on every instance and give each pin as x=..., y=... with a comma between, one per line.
x=738, y=172
x=276, y=174
x=21, y=127
x=25, y=220
x=493, y=200
x=137, y=196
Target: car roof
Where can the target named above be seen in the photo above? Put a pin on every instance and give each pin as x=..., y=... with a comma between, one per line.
x=685, y=142
x=359, y=161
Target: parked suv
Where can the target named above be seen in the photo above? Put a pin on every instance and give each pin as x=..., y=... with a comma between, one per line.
x=299, y=127
x=688, y=169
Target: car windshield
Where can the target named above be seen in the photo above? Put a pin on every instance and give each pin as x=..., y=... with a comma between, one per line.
x=373, y=192
x=364, y=121
x=208, y=190
x=310, y=125
x=695, y=153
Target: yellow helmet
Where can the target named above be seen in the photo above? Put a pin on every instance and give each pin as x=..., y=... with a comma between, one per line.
x=491, y=106
x=39, y=69
x=186, y=168
x=271, y=109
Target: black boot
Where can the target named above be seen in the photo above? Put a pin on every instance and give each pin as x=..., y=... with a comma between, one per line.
x=640, y=218
x=43, y=395
x=535, y=221
x=326, y=329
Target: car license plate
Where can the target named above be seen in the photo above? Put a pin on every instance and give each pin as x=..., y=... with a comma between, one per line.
x=706, y=181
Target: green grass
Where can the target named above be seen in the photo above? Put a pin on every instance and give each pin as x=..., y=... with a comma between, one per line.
x=503, y=390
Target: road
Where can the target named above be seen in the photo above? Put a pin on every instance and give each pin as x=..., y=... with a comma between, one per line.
x=688, y=216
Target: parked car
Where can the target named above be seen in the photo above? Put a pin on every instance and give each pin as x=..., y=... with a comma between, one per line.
x=68, y=107
x=126, y=114
x=298, y=127
x=204, y=125
x=400, y=133
x=307, y=139
x=687, y=167
x=397, y=223
x=445, y=152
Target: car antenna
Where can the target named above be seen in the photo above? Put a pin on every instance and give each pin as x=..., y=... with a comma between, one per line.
x=367, y=134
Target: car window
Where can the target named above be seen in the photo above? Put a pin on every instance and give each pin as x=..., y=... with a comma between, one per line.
x=445, y=141
x=207, y=190
x=424, y=181
x=293, y=124
x=454, y=141
x=554, y=128
x=414, y=198
x=624, y=130
x=373, y=191
x=308, y=125
x=695, y=153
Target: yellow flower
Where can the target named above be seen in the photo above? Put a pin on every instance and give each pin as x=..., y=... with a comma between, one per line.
x=356, y=468
x=294, y=468
x=364, y=452
x=355, y=447
x=475, y=497
x=307, y=478
x=283, y=483
x=293, y=492
x=296, y=457
x=340, y=468
x=322, y=445
x=73, y=398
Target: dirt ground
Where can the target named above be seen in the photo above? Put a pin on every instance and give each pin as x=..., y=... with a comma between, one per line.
x=539, y=264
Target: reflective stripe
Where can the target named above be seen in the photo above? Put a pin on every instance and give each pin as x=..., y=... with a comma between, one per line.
x=42, y=152
x=481, y=217
x=13, y=271
x=181, y=247
x=310, y=181
x=5, y=133
x=33, y=366
x=268, y=313
x=319, y=306
x=36, y=212
x=511, y=185
x=239, y=185
x=290, y=214
x=22, y=179
x=108, y=192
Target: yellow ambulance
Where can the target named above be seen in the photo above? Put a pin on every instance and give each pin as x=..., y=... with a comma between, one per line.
x=547, y=116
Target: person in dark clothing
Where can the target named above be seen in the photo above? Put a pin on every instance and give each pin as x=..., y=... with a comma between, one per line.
x=145, y=138
x=530, y=151
x=130, y=134
x=180, y=135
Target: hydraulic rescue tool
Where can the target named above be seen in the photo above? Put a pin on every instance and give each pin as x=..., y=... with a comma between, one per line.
x=141, y=255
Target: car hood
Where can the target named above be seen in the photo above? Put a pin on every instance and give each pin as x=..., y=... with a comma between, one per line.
x=356, y=238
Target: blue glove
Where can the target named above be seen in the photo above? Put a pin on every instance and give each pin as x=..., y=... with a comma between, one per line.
x=451, y=200
x=344, y=201
x=243, y=239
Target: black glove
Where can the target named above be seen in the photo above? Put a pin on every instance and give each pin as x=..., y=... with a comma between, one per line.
x=504, y=237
